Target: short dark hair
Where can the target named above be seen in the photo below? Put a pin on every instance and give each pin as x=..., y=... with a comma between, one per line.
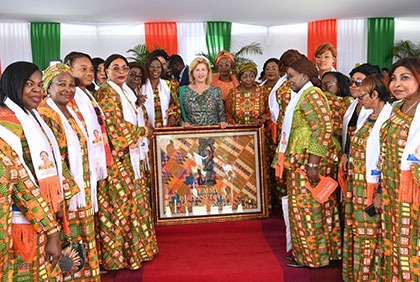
x=343, y=83
x=13, y=81
x=159, y=53
x=70, y=57
x=112, y=58
x=176, y=59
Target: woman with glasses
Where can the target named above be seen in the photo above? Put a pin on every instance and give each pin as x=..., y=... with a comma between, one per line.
x=355, y=114
x=136, y=77
x=162, y=102
x=325, y=56
x=362, y=229
x=72, y=138
x=400, y=175
x=126, y=228
x=224, y=78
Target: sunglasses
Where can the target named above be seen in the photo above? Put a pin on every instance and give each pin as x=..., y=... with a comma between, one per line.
x=134, y=75
x=357, y=81
x=117, y=68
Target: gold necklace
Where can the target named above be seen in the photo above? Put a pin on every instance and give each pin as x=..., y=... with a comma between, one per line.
x=406, y=111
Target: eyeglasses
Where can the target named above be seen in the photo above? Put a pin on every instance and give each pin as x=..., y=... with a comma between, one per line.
x=357, y=81
x=362, y=96
x=117, y=68
x=227, y=64
x=133, y=74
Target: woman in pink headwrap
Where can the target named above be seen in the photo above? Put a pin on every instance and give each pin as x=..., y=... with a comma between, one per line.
x=224, y=79
x=306, y=143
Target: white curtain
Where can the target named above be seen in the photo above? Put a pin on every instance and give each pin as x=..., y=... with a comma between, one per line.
x=191, y=40
x=351, y=44
x=15, y=43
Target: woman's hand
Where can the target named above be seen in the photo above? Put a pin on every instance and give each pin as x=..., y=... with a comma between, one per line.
x=223, y=124
x=172, y=121
x=150, y=128
x=377, y=203
x=343, y=162
x=313, y=176
x=186, y=125
x=53, y=248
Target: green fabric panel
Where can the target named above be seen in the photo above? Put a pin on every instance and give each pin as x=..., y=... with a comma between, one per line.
x=45, y=43
x=380, y=41
x=218, y=35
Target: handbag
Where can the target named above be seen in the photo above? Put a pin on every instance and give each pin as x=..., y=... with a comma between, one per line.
x=323, y=190
x=73, y=257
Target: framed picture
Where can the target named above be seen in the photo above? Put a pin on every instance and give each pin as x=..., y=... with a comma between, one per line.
x=208, y=174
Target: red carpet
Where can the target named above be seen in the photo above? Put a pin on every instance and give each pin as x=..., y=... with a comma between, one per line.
x=245, y=251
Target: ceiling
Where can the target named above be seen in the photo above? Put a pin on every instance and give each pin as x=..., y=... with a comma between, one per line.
x=255, y=12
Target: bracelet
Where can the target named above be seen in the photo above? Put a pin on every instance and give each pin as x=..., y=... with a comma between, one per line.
x=146, y=131
x=52, y=231
x=312, y=165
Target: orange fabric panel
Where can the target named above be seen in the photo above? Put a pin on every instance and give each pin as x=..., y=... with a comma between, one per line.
x=320, y=32
x=161, y=35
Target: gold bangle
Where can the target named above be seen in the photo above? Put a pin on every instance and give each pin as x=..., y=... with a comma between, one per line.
x=52, y=231
x=146, y=131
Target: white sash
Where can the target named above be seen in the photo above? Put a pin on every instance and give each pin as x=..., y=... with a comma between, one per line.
x=363, y=115
x=40, y=144
x=133, y=115
x=272, y=99
x=75, y=155
x=288, y=117
x=373, y=146
x=97, y=157
x=413, y=140
x=14, y=142
x=165, y=97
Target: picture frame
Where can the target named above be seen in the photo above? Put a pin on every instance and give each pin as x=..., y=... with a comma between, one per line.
x=208, y=174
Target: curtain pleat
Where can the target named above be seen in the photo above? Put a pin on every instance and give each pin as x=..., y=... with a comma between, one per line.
x=320, y=32
x=380, y=41
x=191, y=40
x=351, y=43
x=218, y=36
x=15, y=43
x=161, y=35
x=45, y=42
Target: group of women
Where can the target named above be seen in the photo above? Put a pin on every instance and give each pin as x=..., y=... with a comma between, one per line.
x=74, y=161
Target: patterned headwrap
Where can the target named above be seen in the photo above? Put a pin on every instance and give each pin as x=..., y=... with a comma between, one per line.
x=304, y=65
x=246, y=66
x=52, y=71
x=224, y=54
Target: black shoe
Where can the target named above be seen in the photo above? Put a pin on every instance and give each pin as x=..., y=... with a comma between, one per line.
x=295, y=264
x=289, y=258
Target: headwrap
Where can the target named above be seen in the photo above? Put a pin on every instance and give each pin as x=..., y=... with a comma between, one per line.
x=52, y=71
x=224, y=54
x=246, y=66
x=304, y=65
x=366, y=69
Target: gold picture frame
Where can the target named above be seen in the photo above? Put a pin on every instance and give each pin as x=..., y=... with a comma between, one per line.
x=208, y=174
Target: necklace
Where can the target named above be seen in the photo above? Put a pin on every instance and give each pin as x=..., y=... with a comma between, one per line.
x=406, y=111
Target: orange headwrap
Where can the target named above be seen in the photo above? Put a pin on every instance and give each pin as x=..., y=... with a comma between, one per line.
x=224, y=54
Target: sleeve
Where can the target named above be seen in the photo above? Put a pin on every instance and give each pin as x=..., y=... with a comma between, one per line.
x=315, y=109
x=228, y=109
x=26, y=195
x=221, y=115
x=121, y=133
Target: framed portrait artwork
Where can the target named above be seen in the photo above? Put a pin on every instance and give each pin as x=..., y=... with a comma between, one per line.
x=208, y=174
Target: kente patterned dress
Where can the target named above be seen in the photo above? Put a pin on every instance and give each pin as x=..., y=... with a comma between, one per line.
x=401, y=236
x=204, y=109
x=126, y=227
x=24, y=270
x=81, y=221
x=17, y=188
x=247, y=107
x=314, y=227
x=361, y=231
